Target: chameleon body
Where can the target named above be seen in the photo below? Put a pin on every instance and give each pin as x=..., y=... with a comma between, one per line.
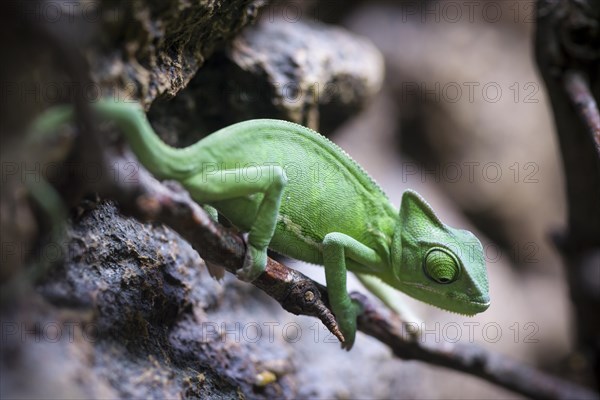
x=297, y=193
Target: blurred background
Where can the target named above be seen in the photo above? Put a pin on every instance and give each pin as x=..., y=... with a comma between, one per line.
x=438, y=96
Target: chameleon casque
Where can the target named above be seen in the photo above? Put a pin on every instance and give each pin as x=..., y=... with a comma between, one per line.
x=299, y=194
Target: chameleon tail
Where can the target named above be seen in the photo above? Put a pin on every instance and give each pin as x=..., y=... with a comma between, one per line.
x=162, y=160
x=159, y=158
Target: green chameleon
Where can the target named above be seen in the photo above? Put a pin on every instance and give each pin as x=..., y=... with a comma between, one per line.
x=297, y=193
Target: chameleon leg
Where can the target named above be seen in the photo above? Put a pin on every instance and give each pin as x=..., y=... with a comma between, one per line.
x=337, y=247
x=389, y=297
x=271, y=182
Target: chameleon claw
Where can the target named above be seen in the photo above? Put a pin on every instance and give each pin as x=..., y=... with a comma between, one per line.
x=347, y=346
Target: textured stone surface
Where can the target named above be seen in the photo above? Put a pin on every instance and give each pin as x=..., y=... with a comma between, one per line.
x=141, y=307
x=305, y=72
x=150, y=49
x=310, y=68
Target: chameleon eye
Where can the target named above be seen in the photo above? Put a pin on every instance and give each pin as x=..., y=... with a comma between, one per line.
x=441, y=266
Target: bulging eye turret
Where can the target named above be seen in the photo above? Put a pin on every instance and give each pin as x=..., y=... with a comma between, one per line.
x=441, y=266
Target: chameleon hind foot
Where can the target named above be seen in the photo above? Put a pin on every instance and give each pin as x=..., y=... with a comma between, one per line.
x=255, y=262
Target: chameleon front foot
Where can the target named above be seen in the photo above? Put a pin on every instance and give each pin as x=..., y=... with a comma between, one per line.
x=347, y=323
x=255, y=263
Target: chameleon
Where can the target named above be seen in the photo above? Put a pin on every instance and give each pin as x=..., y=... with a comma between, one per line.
x=294, y=191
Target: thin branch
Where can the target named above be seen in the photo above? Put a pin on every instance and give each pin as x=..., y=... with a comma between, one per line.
x=582, y=99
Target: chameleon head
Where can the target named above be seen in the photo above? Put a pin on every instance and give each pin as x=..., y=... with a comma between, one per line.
x=435, y=263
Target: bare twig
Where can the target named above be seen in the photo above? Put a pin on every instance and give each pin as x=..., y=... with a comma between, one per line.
x=582, y=99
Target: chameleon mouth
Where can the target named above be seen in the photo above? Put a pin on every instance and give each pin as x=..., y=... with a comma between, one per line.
x=480, y=308
x=483, y=302
x=470, y=306
x=479, y=304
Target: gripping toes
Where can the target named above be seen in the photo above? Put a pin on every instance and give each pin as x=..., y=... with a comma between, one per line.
x=255, y=262
x=347, y=322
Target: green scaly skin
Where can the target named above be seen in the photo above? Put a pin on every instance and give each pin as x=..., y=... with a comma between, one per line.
x=297, y=193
